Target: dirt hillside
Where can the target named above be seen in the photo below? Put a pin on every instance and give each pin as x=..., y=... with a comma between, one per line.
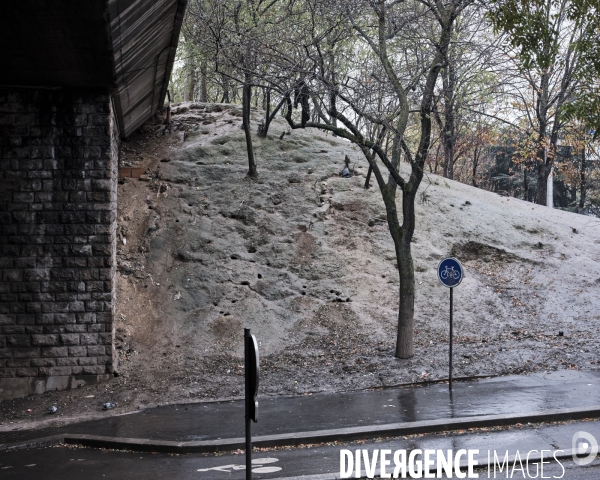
x=303, y=257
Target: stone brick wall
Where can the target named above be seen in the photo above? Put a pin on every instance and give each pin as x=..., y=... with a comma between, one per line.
x=58, y=179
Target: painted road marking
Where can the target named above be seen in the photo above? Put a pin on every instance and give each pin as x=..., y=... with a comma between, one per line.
x=259, y=462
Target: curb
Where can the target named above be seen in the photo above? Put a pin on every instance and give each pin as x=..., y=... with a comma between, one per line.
x=317, y=436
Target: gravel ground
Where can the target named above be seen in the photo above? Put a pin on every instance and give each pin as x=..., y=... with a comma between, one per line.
x=303, y=258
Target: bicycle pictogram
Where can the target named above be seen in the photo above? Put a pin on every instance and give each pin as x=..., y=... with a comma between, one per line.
x=450, y=272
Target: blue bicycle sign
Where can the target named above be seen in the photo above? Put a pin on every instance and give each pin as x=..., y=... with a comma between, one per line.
x=450, y=272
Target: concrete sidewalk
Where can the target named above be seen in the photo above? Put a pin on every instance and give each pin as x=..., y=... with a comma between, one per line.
x=561, y=395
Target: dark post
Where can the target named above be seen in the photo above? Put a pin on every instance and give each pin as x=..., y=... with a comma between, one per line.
x=248, y=397
x=251, y=376
x=450, y=362
x=450, y=274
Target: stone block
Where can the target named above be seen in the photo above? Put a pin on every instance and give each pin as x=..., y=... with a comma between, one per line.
x=25, y=262
x=102, y=185
x=69, y=339
x=44, y=340
x=88, y=274
x=36, y=274
x=43, y=362
x=23, y=363
x=55, y=371
x=33, y=287
x=7, y=319
x=76, y=287
x=94, y=370
x=88, y=339
x=55, y=352
x=6, y=353
x=55, y=307
x=66, y=362
x=45, y=319
x=33, y=307
x=105, y=296
x=54, y=329
x=33, y=329
x=96, y=328
x=76, y=306
x=27, y=372
x=18, y=341
x=12, y=275
x=25, y=353
x=95, y=286
x=98, y=350
x=54, y=287
x=81, y=250
x=92, y=152
x=86, y=318
x=65, y=318
x=77, y=351
x=87, y=361
x=94, y=306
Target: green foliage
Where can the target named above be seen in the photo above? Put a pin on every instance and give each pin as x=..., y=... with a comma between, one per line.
x=586, y=106
x=531, y=26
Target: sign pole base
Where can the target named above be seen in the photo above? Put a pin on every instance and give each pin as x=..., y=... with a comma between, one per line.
x=248, y=449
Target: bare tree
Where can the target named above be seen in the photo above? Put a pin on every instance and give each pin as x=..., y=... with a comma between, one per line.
x=469, y=84
x=381, y=26
x=543, y=40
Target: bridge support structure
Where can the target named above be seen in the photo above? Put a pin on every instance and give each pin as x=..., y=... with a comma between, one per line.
x=58, y=194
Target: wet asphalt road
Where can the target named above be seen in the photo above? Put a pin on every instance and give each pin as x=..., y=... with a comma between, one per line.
x=281, y=415
x=63, y=462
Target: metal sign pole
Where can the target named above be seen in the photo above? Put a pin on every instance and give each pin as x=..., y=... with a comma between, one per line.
x=450, y=274
x=450, y=353
x=248, y=398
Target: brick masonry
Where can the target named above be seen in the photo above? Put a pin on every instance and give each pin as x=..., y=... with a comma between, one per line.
x=58, y=195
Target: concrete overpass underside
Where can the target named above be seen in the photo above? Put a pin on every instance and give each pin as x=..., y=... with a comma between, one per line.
x=76, y=76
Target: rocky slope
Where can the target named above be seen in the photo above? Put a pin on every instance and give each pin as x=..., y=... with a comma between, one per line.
x=303, y=257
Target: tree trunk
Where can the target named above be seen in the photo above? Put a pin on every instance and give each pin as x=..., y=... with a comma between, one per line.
x=368, y=180
x=269, y=116
x=190, y=84
x=203, y=85
x=583, y=182
x=540, y=193
x=448, y=157
x=542, y=179
x=448, y=81
x=475, y=165
x=263, y=128
x=246, y=99
x=402, y=235
x=225, y=81
x=406, y=312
